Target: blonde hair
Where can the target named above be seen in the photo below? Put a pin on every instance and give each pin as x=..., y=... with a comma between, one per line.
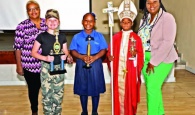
x=30, y=2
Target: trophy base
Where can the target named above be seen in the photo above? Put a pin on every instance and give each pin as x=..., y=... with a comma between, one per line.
x=55, y=54
x=87, y=66
x=57, y=72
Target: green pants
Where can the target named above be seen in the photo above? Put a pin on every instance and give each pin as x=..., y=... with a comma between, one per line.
x=154, y=83
x=52, y=91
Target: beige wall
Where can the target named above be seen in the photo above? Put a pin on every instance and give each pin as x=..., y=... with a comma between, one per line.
x=182, y=11
x=102, y=19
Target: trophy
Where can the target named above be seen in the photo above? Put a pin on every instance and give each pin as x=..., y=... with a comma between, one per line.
x=132, y=48
x=57, y=52
x=89, y=38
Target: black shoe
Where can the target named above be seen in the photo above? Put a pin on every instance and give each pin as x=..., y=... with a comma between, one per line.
x=84, y=113
x=94, y=113
x=35, y=113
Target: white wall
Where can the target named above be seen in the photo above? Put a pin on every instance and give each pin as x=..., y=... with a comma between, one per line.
x=70, y=11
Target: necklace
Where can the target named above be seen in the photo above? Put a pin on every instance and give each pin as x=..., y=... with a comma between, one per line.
x=145, y=19
x=125, y=42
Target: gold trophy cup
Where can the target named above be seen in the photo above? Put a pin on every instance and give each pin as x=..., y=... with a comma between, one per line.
x=89, y=38
x=57, y=52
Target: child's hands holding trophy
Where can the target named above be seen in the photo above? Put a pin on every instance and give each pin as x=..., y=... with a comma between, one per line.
x=49, y=58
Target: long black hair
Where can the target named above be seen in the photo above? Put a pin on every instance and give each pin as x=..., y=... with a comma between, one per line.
x=146, y=12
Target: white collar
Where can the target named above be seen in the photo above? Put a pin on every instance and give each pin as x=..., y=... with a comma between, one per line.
x=127, y=32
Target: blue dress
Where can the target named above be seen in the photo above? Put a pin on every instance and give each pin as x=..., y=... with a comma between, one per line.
x=91, y=81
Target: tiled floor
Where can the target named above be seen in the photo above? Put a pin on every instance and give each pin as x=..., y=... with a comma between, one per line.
x=179, y=99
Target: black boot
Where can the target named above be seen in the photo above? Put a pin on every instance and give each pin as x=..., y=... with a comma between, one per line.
x=94, y=113
x=84, y=113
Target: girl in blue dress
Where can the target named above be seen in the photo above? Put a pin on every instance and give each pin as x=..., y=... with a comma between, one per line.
x=89, y=81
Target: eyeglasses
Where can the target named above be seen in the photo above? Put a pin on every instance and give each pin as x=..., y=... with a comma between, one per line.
x=33, y=9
